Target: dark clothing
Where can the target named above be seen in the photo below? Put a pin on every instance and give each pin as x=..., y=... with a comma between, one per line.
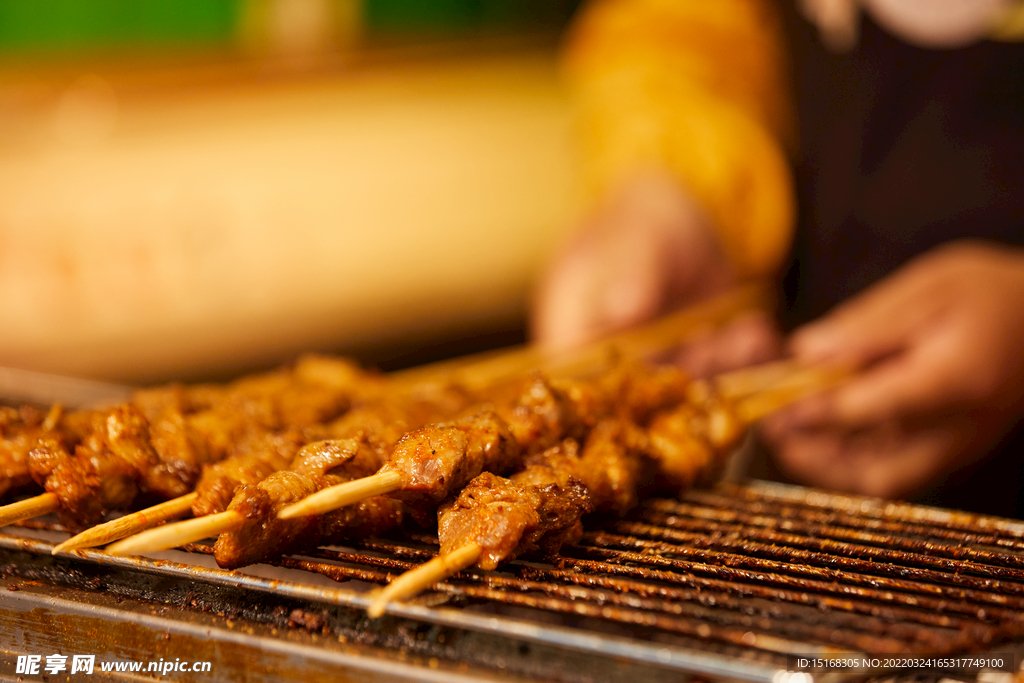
x=903, y=149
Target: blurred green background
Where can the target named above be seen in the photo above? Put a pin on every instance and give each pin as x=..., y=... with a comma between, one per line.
x=73, y=26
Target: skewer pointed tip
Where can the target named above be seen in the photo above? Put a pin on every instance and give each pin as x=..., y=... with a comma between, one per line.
x=178, y=534
x=128, y=525
x=421, y=578
x=379, y=604
x=42, y=504
x=339, y=496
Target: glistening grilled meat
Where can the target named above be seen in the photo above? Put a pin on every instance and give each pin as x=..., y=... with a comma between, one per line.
x=381, y=420
x=436, y=461
x=688, y=442
x=537, y=509
x=321, y=464
x=439, y=459
x=362, y=440
x=157, y=444
x=540, y=508
x=20, y=432
x=257, y=457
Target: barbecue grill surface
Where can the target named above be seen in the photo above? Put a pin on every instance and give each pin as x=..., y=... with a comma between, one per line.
x=726, y=584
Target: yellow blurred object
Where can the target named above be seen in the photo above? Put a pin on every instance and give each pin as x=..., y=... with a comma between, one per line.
x=700, y=88
x=1010, y=27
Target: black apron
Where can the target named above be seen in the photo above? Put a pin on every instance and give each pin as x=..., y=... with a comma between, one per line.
x=903, y=149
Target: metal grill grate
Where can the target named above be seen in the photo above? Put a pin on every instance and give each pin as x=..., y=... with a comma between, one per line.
x=724, y=583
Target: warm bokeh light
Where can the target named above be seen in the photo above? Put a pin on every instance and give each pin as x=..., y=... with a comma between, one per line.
x=310, y=181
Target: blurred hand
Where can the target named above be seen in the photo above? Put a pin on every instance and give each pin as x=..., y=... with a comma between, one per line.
x=647, y=249
x=748, y=339
x=941, y=345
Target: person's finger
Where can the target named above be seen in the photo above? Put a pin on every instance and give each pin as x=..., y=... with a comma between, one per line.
x=889, y=391
x=897, y=459
x=632, y=285
x=812, y=412
x=611, y=277
x=812, y=457
x=904, y=462
x=749, y=339
x=892, y=389
x=887, y=460
x=698, y=357
x=873, y=324
x=931, y=375
x=564, y=311
x=837, y=460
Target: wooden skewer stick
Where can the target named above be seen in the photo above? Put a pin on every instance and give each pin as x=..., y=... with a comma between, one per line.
x=178, y=534
x=739, y=384
x=800, y=385
x=42, y=504
x=340, y=495
x=655, y=337
x=129, y=524
x=421, y=578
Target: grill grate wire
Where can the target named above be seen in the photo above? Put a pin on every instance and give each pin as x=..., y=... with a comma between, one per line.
x=756, y=571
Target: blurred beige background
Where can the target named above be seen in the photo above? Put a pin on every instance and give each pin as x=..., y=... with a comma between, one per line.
x=177, y=224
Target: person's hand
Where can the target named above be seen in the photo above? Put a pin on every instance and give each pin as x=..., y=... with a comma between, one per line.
x=748, y=339
x=649, y=248
x=941, y=348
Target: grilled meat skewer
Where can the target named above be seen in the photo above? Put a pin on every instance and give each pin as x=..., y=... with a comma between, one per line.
x=20, y=431
x=378, y=424
x=688, y=442
x=493, y=520
x=382, y=422
x=156, y=444
x=256, y=457
x=438, y=458
x=542, y=414
x=262, y=534
x=430, y=465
